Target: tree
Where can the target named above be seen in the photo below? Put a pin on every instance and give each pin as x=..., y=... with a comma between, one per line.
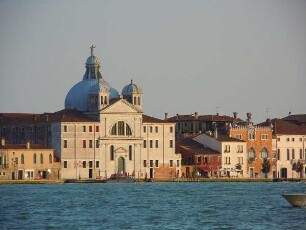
x=265, y=167
x=298, y=167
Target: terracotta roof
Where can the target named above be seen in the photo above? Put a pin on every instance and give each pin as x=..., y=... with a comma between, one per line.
x=23, y=146
x=148, y=119
x=297, y=118
x=195, y=147
x=285, y=127
x=212, y=118
x=65, y=115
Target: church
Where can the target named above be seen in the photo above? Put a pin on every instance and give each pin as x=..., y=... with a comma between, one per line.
x=100, y=132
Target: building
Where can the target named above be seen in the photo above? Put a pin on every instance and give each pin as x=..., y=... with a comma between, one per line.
x=100, y=132
x=289, y=144
x=193, y=124
x=258, y=138
x=27, y=162
x=198, y=160
x=233, y=153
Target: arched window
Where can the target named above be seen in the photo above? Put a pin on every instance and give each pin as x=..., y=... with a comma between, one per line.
x=50, y=158
x=138, y=100
x=105, y=100
x=251, y=154
x=264, y=153
x=112, y=153
x=34, y=158
x=101, y=100
x=135, y=102
x=130, y=152
x=121, y=129
x=41, y=158
x=22, y=159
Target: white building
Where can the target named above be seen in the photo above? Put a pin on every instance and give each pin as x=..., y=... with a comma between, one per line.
x=233, y=152
x=104, y=133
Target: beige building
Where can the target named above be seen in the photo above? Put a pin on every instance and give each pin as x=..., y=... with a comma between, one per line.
x=233, y=153
x=27, y=162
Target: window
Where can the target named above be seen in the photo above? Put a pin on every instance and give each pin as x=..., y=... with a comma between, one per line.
x=22, y=159
x=144, y=129
x=90, y=128
x=41, y=158
x=84, y=144
x=151, y=144
x=97, y=164
x=251, y=154
x=89, y=164
x=151, y=129
x=138, y=100
x=278, y=139
x=278, y=154
x=39, y=128
x=156, y=143
x=264, y=153
x=251, y=134
x=177, y=163
x=151, y=163
x=288, y=154
x=84, y=164
x=292, y=139
x=239, y=148
x=65, y=164
x=144, y=163
x=156, y=129
x=112, y=153
x=240, y=160
x=301, y=154
x=90, y=143
x=287, y=139
x=227, y=160
x=3, y=129
x=65, y=128
x=301, y=139
x=171, y=129
x=97, y=129
x=84, y=128
x=293, y=154
x=145, y=143
x=156, y=163
x=31, y=129
x=227, y=149
x=219, y=159
x=130, y=152
x=22, y=129
x=199, y=159
x=65, y=144
x=50, y=158
x=121, y=129
x=264, y=137
x=171, y=143
x=34, y=158
x=97, y=144
x=238, y=136
x=49, y=128
x=171, y=163
x=16, y=160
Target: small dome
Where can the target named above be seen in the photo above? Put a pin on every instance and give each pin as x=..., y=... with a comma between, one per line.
x=131, y=89
x=92, y=60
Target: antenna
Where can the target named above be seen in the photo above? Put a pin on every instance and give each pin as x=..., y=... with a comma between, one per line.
x=217, y=109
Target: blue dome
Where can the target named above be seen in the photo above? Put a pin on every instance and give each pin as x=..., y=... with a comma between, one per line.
x=131, y=89
x=78, y=96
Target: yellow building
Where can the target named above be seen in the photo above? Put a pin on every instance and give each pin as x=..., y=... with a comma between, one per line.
x=26, y=162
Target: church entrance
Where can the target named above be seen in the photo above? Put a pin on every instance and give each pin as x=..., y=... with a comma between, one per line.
x=121, y=165
x=284, y=173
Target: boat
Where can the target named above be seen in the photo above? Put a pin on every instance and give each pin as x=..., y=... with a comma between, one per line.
x=119, y=178
x=296, y=199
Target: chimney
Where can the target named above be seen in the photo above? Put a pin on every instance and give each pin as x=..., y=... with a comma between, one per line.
x=166, y=116
x=34, y=118
x=2, y=141
x=289, y=113
x=196, y=115
x=28, y=145
x=177, y=116
x=216, y=133
x=47, y=118
x=249, y=118
x=235, y=119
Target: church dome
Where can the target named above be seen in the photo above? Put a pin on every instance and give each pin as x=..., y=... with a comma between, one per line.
x=131, y=89
x=92, y=83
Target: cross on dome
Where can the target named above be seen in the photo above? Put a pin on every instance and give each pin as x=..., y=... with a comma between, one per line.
x=92, y=50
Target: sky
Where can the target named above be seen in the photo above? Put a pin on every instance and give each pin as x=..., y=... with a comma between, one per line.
x=206, y=56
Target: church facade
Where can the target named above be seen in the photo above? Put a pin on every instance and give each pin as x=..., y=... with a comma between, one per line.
x=100, y=132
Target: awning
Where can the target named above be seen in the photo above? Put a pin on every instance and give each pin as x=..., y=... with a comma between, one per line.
x=204, y=168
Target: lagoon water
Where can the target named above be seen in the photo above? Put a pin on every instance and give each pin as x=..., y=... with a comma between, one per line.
x=150, y=206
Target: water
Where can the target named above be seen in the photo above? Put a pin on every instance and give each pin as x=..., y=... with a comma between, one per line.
x=150, y=206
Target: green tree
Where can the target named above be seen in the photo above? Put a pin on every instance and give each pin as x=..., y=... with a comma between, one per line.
x=298, y=167
x=265, y=167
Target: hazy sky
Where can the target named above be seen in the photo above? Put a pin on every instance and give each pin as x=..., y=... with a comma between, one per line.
x=187, y=56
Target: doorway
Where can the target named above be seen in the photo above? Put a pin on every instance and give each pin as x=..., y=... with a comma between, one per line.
x=251, y=172
x=121, y=165
x=151, y=173
x=90, y=174
x=284, y=173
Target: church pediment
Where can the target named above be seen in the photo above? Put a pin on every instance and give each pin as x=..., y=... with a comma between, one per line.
x=121, y=106
x=121, y=150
